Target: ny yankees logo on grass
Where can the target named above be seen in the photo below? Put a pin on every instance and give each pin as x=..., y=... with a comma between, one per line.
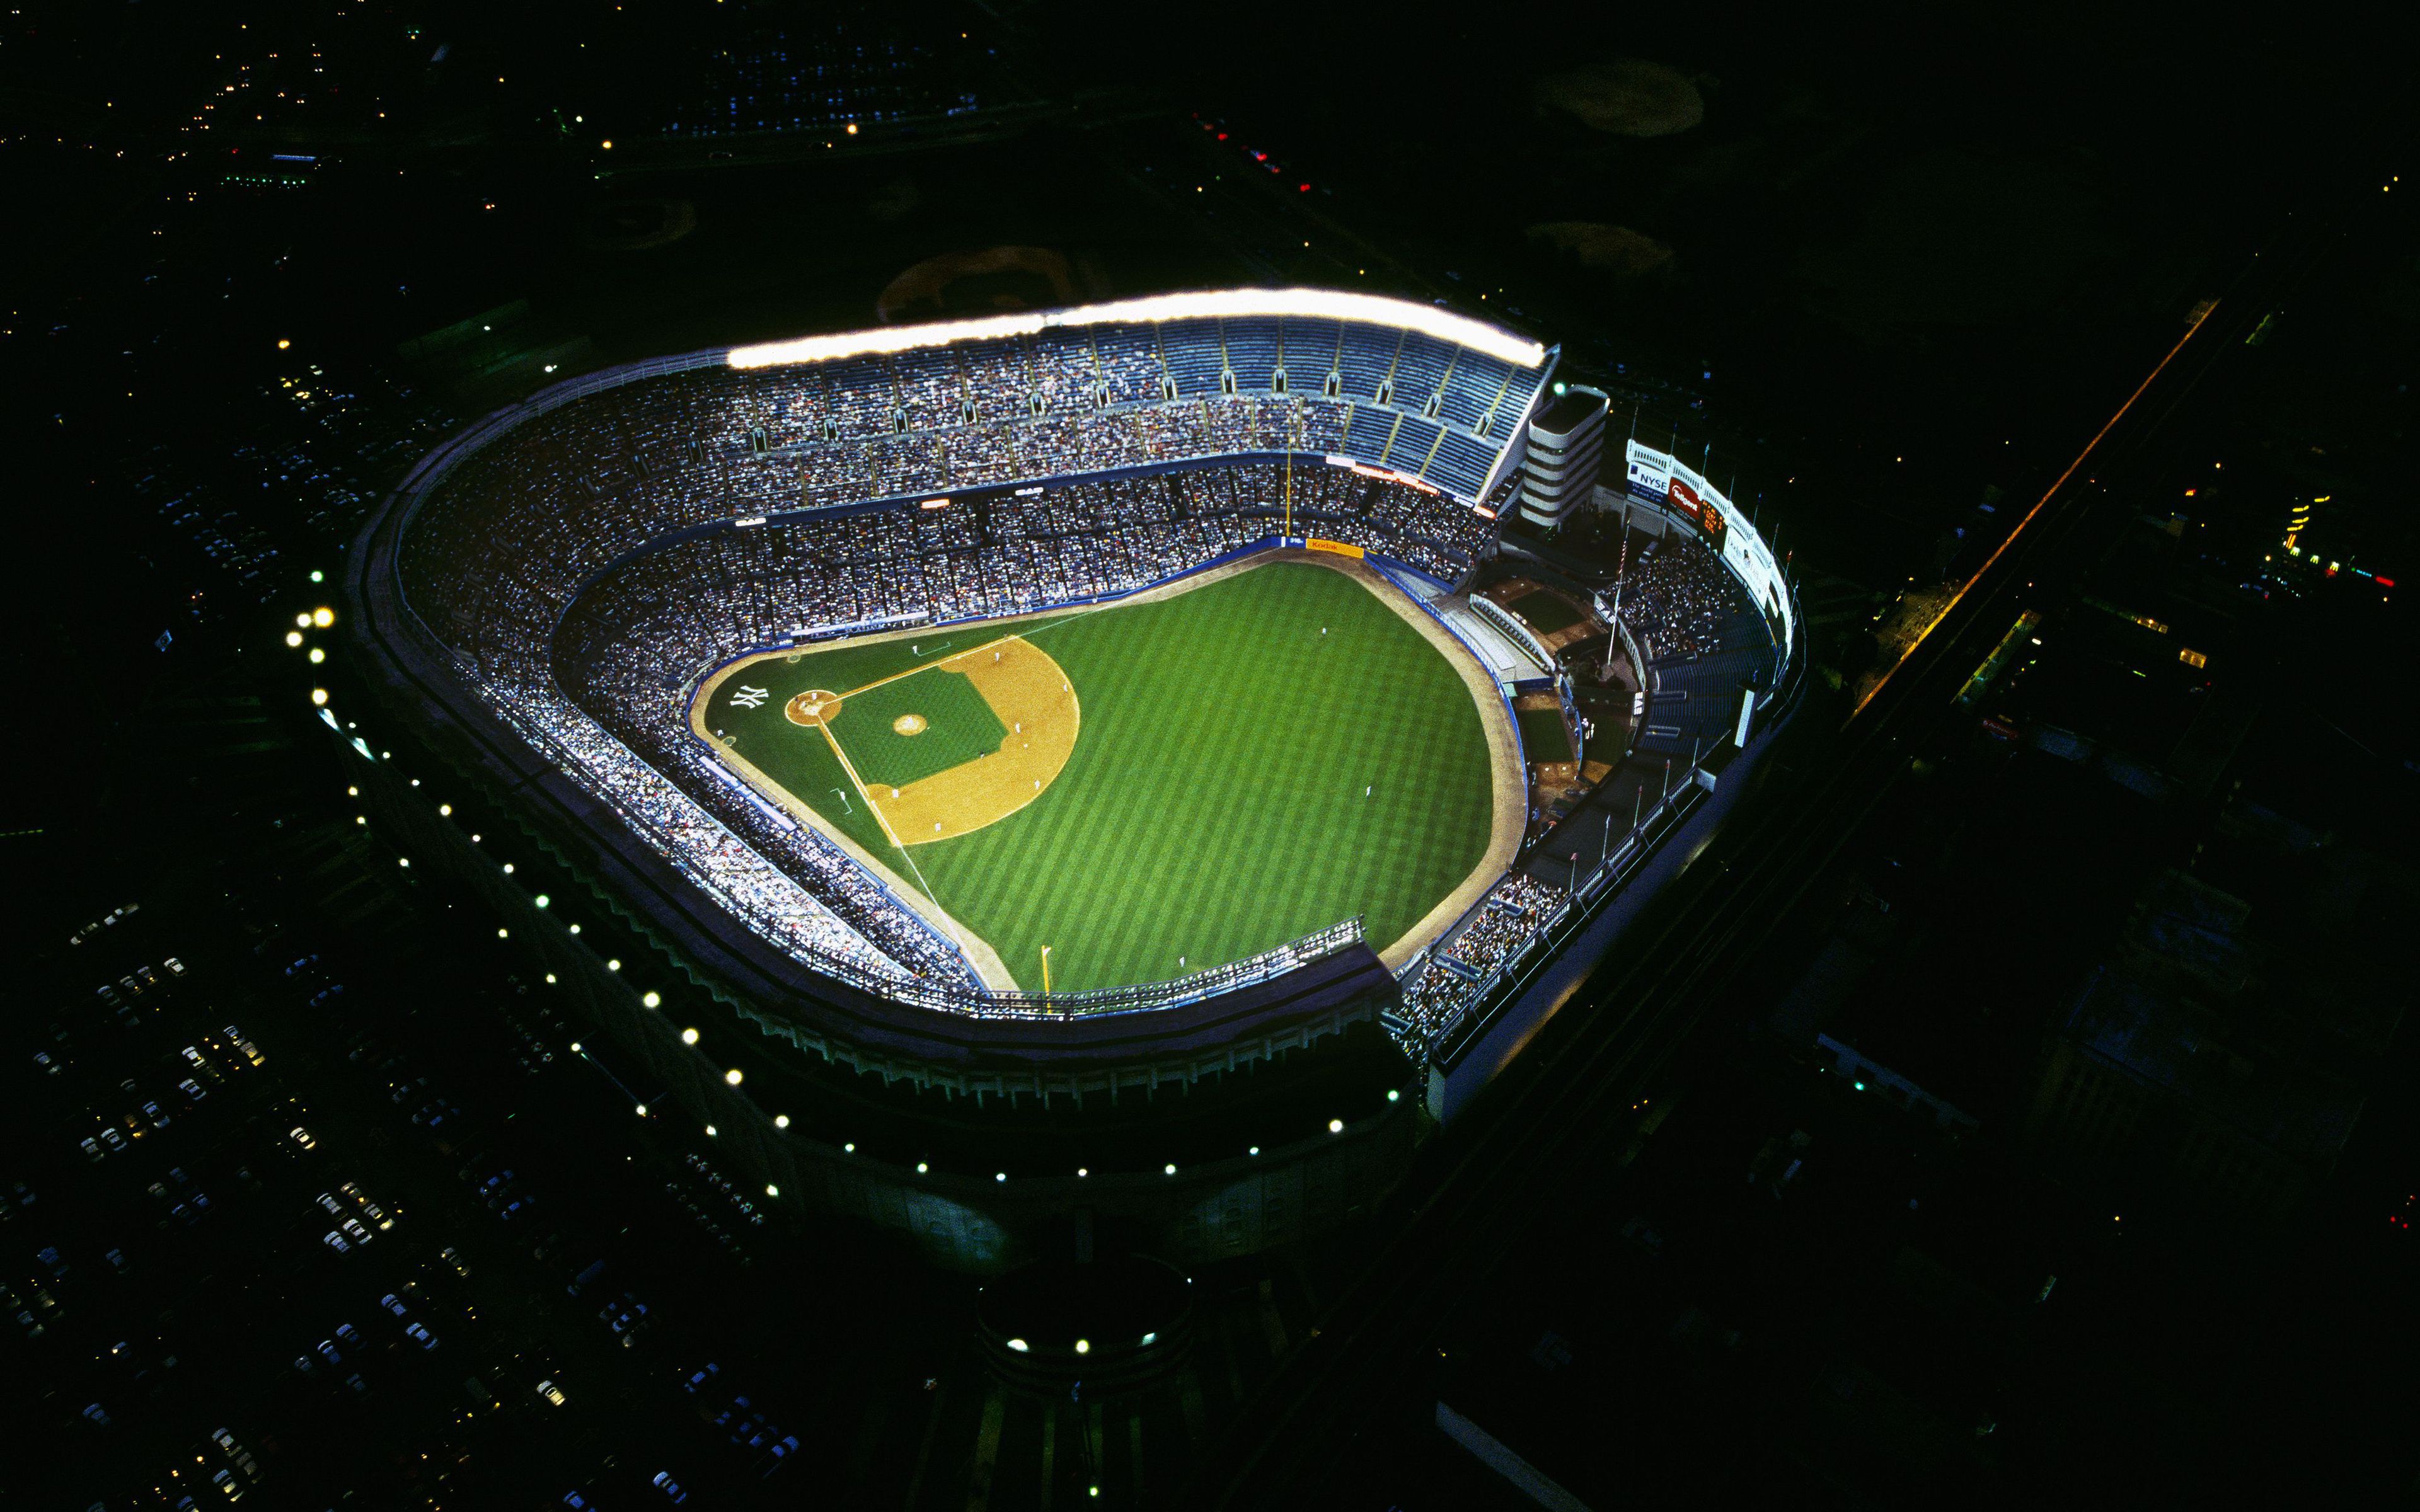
x=749, y=698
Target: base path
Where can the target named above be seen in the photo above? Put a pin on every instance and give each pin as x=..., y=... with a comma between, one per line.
x=1039, y=710
x=1041, y=717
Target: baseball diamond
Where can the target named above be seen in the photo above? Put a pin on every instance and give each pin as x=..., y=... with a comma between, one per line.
x=1205, y=772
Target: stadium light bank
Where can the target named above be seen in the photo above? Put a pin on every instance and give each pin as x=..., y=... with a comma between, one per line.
x=1332, y=304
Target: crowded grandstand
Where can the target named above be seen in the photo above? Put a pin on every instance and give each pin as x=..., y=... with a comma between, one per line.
x=583, y=561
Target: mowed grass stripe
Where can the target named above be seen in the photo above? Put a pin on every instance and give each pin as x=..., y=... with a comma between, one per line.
x=1213, y=805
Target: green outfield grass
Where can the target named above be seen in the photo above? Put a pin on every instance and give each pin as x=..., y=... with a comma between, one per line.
x=1544, y=737
x=961, y=728
x=1213, y=805
x=1545, y=613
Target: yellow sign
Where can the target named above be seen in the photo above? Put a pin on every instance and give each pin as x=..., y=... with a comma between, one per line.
x=1340, y=547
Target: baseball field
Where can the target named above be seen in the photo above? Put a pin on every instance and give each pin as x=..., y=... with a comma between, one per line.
x=1148, y=787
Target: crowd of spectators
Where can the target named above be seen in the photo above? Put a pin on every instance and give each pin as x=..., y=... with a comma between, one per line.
x=634, y=642
x=1462, y=964
x=586, y=565
x=1677, y=598
x=749, y=860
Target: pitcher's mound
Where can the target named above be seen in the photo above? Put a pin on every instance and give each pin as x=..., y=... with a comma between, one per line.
x=816, y=706
x=908, y=724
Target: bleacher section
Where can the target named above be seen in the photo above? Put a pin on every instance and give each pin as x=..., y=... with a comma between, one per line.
x=582, y=565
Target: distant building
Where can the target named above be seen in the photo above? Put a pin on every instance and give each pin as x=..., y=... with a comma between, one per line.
x=1566, y=452
x=2181, y=1078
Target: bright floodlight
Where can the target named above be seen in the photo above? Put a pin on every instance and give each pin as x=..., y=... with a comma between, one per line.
x=293, y=638
x=1083, y=1346
x=689, y=1037
x=732, y=1076
x=1336, y=1126
x=781, y=1121
x=1019, y=1345
x=319, y=697
x=318, y=655
x=302, y=622
x=1333, y=305
x=323, y=617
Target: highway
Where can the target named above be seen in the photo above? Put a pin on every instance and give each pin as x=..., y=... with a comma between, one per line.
x=1568, y=1098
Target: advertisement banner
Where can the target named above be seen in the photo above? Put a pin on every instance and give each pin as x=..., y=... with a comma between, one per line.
x=1648, y=479
x=1663, y=480
x=1699, y=509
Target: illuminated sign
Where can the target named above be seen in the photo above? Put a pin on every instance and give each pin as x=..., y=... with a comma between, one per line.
x=934, y=504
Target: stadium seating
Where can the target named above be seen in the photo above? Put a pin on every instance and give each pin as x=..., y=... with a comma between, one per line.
x=584, y=566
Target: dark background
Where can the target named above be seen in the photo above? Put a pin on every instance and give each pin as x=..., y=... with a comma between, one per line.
x=1889, y=265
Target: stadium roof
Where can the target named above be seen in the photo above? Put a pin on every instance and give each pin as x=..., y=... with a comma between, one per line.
x=1332, y=304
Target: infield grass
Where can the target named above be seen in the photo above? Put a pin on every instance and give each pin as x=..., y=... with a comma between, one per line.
x=1240, y=778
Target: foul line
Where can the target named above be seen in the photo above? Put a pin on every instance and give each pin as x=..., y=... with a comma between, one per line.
x=897, y=677
x=2054, y=489
x=876, y=809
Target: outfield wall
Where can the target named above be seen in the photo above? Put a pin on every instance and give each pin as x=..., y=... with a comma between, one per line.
x=1528, y=989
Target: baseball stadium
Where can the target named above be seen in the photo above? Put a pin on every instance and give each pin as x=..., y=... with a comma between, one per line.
x=1120, y=730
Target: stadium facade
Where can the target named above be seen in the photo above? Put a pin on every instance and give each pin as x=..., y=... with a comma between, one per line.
x=544, y=595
